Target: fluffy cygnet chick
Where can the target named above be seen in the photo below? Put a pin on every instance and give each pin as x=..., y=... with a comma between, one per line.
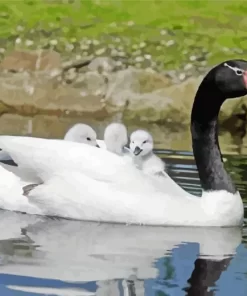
x=141, y=145
x=81, y=133
x=115, y=139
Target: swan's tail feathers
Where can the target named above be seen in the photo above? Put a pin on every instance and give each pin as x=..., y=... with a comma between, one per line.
x=6, y=158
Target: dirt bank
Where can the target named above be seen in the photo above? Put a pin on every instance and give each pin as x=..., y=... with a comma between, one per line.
x=101, y=91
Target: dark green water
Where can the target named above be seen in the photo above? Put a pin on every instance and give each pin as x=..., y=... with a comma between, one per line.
x=58, y=257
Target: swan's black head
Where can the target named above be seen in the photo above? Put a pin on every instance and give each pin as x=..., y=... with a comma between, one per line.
x=231, y=78
x=226, y=80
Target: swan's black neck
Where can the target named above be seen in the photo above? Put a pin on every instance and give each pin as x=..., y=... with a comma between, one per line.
x=204, y=130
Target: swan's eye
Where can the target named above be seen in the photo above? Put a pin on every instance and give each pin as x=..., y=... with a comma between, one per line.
x=89, y=139
x=239, y=72
x=144, y=142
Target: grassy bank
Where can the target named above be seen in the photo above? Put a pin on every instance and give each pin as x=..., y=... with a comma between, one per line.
x=159, y=34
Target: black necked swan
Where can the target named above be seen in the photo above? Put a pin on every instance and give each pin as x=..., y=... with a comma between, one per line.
x=83, y=182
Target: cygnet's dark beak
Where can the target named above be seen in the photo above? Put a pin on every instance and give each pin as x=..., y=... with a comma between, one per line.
x=97, y=146
x=137, y=150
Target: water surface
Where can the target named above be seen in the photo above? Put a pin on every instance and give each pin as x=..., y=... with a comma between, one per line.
x=48, y=256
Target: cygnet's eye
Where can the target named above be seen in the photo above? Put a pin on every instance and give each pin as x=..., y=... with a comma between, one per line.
x=144, y=142
x=89, y=139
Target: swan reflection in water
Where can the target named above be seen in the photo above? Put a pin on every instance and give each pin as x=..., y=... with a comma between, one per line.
x=118, y=257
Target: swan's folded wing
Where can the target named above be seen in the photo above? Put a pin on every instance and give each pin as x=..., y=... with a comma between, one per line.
x=44, y=157
x=80, y=197
x=24, y=175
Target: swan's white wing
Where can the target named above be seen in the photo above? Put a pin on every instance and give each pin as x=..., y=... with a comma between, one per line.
x=25, y=176
x=94, y=184
x=45, y=157
x=101, y=144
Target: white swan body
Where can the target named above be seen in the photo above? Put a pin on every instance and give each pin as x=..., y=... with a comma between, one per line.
x=77, y=187
x=103, y=203
x=84, y=182
x=141, y=145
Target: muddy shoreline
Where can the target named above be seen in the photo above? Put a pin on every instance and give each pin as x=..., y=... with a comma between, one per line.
x=131, y=95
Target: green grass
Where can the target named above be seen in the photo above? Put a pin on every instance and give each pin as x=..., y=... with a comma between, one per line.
x=173, y=33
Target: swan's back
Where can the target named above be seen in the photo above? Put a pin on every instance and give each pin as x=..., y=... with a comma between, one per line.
x=46, y=156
